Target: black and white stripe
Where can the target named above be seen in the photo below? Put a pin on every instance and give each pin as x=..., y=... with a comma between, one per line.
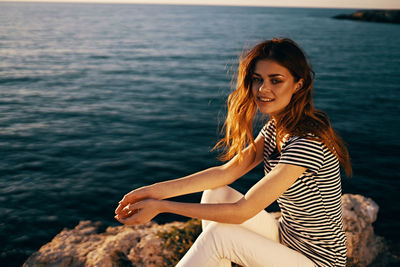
x=311, y=220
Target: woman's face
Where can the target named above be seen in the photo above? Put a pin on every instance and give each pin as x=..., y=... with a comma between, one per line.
x=273, y=86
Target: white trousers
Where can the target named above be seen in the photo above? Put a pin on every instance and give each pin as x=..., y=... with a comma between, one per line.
x=253, y=243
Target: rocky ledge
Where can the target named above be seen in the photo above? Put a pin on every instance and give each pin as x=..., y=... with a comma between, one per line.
x=152, y=244
x=389, y=16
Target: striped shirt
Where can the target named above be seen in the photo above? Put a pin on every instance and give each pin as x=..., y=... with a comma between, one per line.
x=311, y=220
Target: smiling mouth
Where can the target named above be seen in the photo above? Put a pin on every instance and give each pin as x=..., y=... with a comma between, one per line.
x=265, y=99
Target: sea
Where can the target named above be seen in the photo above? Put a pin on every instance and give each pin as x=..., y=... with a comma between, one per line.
x=99, y=99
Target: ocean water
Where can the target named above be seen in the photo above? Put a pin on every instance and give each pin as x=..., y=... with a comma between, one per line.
x=96, y=100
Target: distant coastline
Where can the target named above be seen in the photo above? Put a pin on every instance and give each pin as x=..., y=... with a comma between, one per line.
x=385, y=16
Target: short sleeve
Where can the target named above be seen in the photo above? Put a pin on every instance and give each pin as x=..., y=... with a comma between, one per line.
x=303, y=152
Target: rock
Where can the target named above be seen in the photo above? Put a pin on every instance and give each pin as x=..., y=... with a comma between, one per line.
x=389, y=16
x=363, y=245
x=143, y=245
x=116, y=247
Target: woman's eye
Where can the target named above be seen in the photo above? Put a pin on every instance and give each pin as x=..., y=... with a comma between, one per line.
x=256, y=80
x=275, y=81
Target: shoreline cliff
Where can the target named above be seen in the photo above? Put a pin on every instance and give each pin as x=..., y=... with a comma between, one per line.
x=385, y=16
x=153, y=245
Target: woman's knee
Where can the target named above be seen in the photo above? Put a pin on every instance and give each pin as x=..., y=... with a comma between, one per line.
x=223, y=194
x=212, y=195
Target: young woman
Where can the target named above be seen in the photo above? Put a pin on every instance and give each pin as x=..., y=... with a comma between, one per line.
x=302, y=157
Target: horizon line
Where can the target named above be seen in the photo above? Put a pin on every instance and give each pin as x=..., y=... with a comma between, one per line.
x=190, y=4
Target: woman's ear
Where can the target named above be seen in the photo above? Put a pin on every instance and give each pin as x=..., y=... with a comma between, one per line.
x=299, y=85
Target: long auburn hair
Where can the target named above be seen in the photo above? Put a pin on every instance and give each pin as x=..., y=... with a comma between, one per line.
x=298, y=118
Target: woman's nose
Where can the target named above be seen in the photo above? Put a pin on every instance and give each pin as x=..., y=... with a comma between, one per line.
x=263, y=87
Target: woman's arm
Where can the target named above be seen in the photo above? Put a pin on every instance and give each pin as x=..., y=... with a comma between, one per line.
x=261, y=195
x=210, y=178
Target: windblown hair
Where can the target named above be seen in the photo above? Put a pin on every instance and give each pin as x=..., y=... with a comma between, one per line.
x=298, y=118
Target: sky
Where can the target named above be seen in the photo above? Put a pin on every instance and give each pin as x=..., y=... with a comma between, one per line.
x=354, y=4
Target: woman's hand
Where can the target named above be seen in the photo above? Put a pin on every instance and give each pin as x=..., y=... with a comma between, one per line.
x=140, y=212
x=133, y=197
